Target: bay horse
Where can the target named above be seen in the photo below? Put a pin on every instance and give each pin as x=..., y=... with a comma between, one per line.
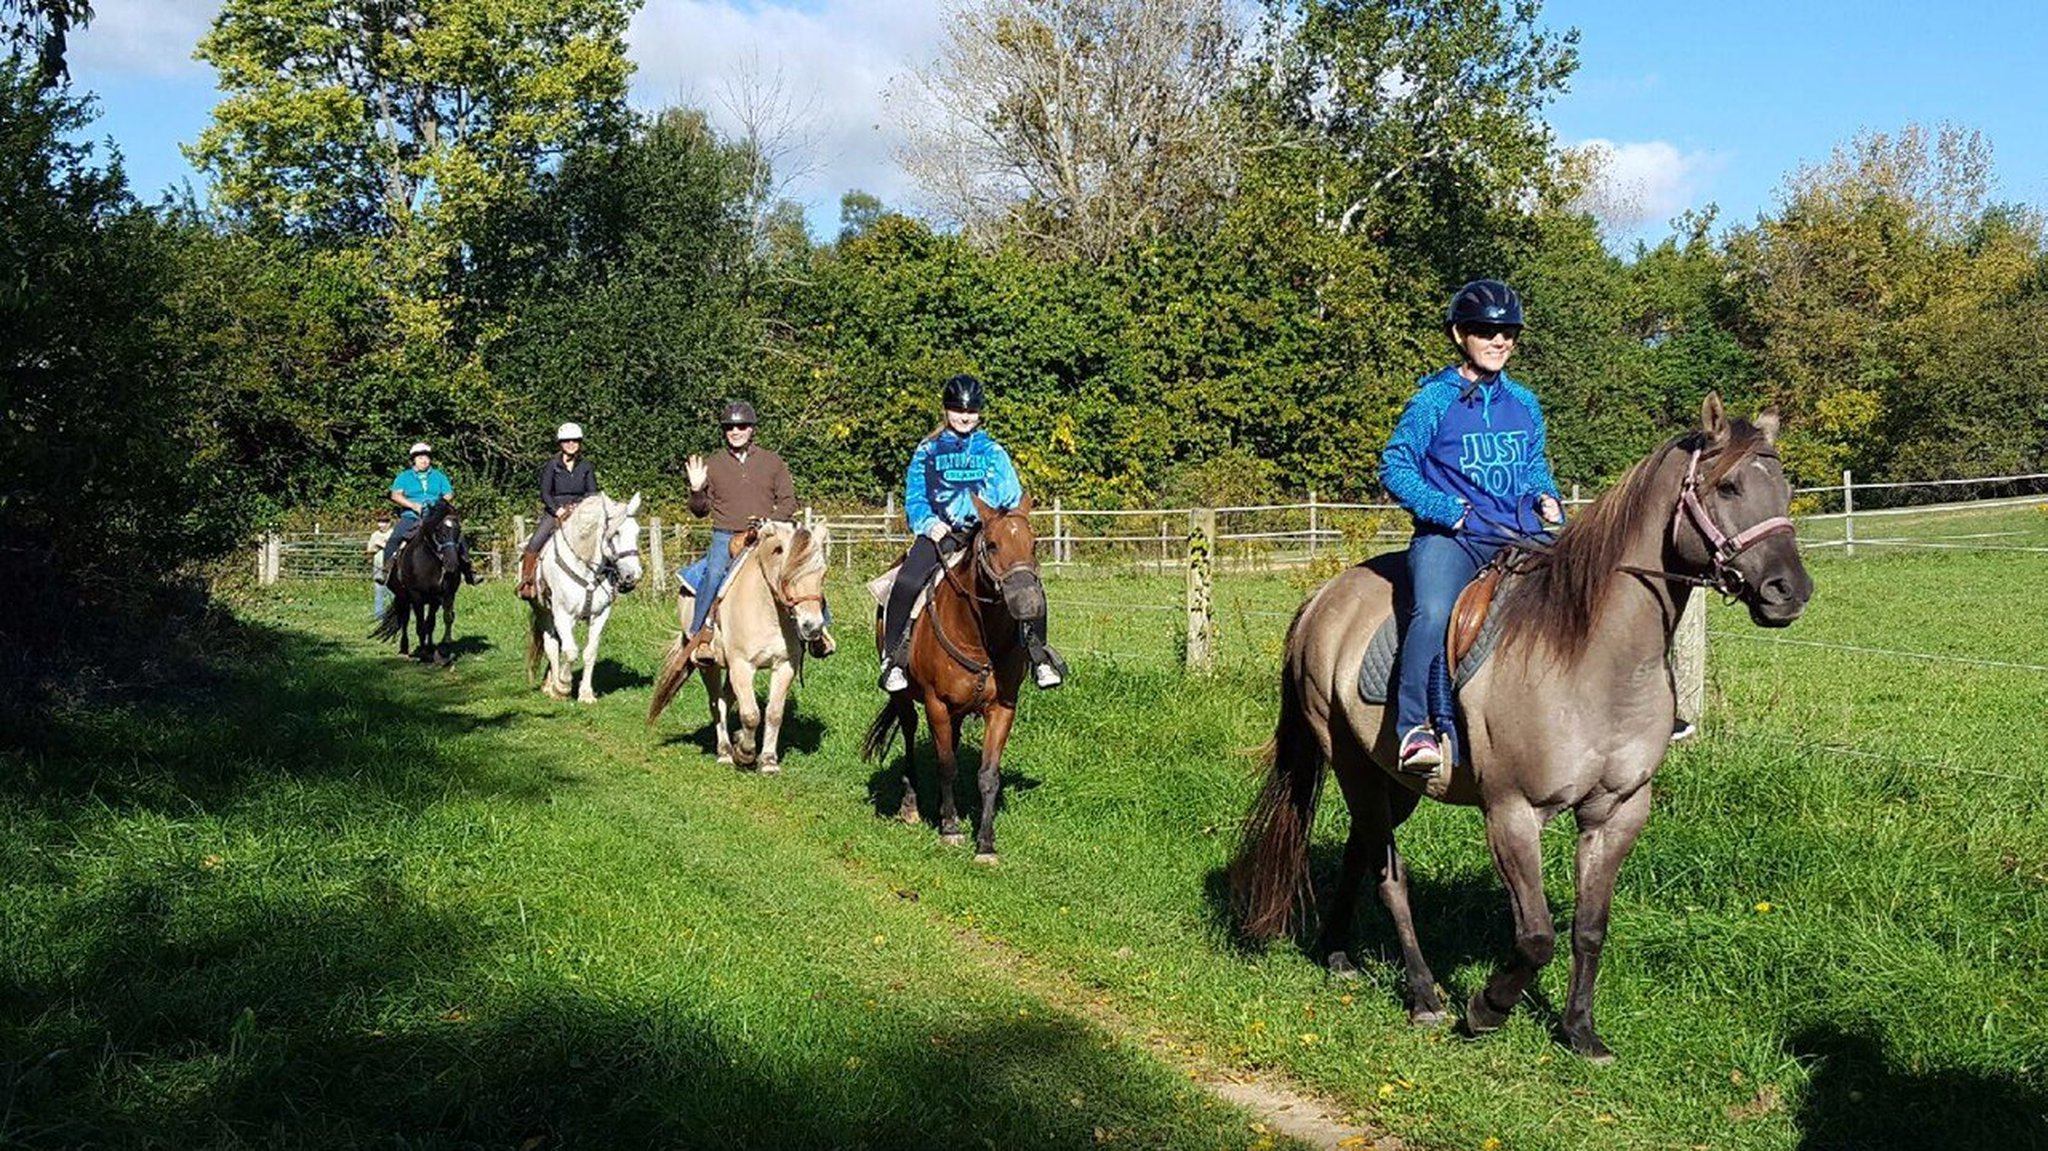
x=1572, y=712
x=967, y=657
x=425, y=575
x=587, y=565
x=772, y=606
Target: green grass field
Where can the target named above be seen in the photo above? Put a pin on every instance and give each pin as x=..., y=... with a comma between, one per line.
x=321, y=897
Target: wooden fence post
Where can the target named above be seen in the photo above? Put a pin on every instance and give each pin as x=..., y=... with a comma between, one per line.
x=273, y=558
x=1201, y=591
x=1689, y=659
x=497, y=563
x=519, y=536
x=655, y=553
x=1059, y=534
x=1848, y=513
x=263, y=561
x=1313, y=524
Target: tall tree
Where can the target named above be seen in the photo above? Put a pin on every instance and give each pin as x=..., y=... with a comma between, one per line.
x=41, y=27
x=1078, y=126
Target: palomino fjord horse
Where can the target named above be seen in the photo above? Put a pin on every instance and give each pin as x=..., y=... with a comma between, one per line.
x=587, y=565
x=771, y=608
x=425, y=575
x=967, y=657
x=1572, y=712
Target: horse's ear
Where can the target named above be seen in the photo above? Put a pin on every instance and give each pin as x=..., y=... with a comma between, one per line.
x=1024, y=505
x=1713, y=420
x=633, y=505
x=981, y=509
x=1767, y=423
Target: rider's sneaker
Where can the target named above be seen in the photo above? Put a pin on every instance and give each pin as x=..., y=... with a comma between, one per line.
x=1683, y=729
x=894, y=679
x=1420, y=753
x=1046, y=676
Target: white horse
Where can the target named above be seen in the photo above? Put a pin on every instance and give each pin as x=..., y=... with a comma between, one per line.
x=590, y=561
x=772, y=606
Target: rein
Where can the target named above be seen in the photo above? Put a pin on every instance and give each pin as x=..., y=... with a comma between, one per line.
x=603, y=573
x=981, y=670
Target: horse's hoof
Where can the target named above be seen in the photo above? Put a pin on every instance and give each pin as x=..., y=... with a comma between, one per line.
x=1341, y=966
x=1480, y=1016
x=1589, y=1047
x=586, y=699
x=985, y=858
x=1428, y=1019
x=954, y=840
x=770, y=767
x=910, y=816
x=725, y=758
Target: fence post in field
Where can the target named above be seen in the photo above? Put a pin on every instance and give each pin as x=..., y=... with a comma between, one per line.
x=1689, y=659
x=1313, y=524
x=273, y=558
x=888, y=515
x=1201, y=590
x=1059, y=534
x=262, y=560
x=519, y=535
x=659, y=557
x=808, y=522
x=1575, y=495
x=1848, y=513
x=497, y=563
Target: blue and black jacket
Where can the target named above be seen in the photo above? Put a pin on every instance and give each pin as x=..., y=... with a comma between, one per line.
x=1472, y=451
x=948, y=470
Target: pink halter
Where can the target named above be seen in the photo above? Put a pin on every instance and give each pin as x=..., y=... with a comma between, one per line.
x=1727, y=579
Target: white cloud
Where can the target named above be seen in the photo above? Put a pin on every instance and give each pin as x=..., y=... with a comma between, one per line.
x=1642, y=185
x=129, y=38
x=835, y=60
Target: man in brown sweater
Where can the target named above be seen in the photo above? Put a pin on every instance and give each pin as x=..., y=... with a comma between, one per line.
x=737, y=488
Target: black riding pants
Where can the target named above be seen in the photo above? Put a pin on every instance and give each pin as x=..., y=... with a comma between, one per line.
x=916, y=571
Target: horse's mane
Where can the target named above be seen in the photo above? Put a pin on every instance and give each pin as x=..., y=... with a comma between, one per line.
x=581, y=530
x=1554, y=601
x=806, y=553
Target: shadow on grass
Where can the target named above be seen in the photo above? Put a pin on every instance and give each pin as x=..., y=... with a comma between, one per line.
x=802, y=733
x=1860, y=1099
x=885, y=786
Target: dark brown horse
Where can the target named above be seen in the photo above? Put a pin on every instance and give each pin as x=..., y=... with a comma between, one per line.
x=967, y=657
x=1573, y=711
x=425, y=575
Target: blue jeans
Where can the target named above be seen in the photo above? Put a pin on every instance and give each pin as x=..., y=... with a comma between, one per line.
x=379, y=596
x=1440, y=564
x=408, y=523
x=707, y=575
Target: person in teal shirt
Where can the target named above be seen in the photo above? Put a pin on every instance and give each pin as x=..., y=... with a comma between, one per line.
x=414, y=490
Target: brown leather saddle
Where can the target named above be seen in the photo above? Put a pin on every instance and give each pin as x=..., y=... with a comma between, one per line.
x=1468, y=615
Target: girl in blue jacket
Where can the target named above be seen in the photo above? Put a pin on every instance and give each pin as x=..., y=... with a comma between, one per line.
x=1469, y=461
x=949, y=468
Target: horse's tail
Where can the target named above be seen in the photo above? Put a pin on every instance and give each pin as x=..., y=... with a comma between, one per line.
x=1269, y=876
x=675, y=671
x=897, y=710
x=392, y=623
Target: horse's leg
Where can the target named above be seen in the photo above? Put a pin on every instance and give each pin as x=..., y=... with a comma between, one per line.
x=740, y=685
x=779, y=679
x=1513, y=831
x=558, y=676
x=1377, y=807
x=447, y=629
x=591, y=631
x=1605, y=839
x=907, y=809
x=995, y=733
x=716, y=692
x=946, y=743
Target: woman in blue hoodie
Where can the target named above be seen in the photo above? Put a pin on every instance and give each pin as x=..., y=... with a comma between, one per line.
x=949, y=468
x=1469, y=461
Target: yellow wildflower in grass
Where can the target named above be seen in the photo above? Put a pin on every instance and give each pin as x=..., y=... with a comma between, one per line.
x=1764, y=908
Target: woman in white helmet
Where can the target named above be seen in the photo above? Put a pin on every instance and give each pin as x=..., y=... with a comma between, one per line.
x=566, y=480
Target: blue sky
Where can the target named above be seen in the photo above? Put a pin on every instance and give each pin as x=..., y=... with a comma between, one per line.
x=1698, y=108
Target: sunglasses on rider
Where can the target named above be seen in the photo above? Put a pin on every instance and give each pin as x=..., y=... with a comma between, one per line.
x=1489, y=331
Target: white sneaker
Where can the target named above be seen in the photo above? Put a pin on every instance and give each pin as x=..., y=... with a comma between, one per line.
x=1046, y=676
x=894, y=679
x=1683, y=730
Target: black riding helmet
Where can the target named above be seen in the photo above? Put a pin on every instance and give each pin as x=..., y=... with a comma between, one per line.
x=964, y=393
x=1484, y=302
x=738, y=413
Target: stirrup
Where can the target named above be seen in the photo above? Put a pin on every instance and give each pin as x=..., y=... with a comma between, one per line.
x=894, y=678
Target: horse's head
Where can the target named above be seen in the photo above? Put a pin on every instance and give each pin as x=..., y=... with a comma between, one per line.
x=793, y=560
x=1734, y=518
x=1006, y=553
x=619, y=549
x=441, y=527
